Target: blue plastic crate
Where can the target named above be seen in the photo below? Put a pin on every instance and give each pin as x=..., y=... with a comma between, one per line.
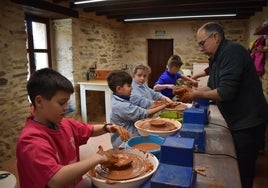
x=195, y=115
x=195, y=131
x=202, y=102
x=177, y=151
x=171, y=176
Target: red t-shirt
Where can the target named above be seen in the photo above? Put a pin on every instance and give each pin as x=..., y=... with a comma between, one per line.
x=42, y=151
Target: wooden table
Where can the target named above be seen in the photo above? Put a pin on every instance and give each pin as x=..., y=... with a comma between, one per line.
x=219, y=159
x=95, y=85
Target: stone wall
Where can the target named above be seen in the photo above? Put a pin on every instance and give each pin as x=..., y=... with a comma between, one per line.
x=96, y=41
x=184, y=35
x=14, y=106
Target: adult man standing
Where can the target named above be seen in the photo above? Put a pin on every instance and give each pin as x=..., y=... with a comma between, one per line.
x=235, y=87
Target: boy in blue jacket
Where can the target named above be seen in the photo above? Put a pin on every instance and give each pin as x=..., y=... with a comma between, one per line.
x=124, y=112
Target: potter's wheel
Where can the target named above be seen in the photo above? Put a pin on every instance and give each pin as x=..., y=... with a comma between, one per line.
x=145, y=127
x=151, y=161
x=150, y=124
x=137, y=167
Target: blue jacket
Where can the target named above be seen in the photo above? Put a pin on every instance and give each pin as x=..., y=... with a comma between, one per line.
x=167, y=78
x=125, y=113
x=143, y=96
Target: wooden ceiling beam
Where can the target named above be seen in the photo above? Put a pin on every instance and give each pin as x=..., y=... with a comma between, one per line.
x=172, y=11
x=245, y=14
x=187, y=6
x=60, y=1
x=121, y=9
x=44, y=5
x=145, y=8
x=169, y=3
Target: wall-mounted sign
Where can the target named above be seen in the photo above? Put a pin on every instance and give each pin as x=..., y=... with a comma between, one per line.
x=160, y=32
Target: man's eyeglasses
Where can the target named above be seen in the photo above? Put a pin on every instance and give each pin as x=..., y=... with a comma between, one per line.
x=202, y=43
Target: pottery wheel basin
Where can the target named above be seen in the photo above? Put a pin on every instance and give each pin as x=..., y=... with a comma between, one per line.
x=145, y=127
x=130, y=167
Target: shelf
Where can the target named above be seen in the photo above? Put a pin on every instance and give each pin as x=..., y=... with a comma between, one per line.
x=263, y=30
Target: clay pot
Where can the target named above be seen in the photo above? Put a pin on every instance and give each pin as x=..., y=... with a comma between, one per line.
x=102, y=74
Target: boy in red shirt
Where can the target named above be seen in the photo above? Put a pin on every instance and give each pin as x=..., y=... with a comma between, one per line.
x=48, y=146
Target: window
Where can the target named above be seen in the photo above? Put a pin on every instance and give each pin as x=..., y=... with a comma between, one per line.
x=38, y=43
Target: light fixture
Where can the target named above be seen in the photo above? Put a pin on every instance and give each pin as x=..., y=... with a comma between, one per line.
x=179, y=17
x=87, y=1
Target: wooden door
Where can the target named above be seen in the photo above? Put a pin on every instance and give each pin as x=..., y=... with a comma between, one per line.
x=159, y=50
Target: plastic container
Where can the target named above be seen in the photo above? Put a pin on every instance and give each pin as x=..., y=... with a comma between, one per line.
x=146, y=139
x=178, y=115
x=173, y=176
x=177, y=151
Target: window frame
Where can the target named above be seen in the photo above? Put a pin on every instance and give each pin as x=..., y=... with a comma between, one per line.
x=31, y=50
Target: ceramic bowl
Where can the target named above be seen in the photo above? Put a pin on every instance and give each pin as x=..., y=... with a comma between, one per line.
x=159, y=132
x=146, y=139
x=101, y=182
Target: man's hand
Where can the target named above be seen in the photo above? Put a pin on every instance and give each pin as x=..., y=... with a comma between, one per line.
x=187, y=97
x=179, y=91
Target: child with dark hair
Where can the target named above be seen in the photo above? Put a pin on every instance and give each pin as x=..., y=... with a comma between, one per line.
x=124, y=112
x=48, y=146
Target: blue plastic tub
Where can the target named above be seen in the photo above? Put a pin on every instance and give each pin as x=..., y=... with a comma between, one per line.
x=146, y=139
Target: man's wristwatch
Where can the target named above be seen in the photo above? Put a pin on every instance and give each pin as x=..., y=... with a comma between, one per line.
x=105, y=127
